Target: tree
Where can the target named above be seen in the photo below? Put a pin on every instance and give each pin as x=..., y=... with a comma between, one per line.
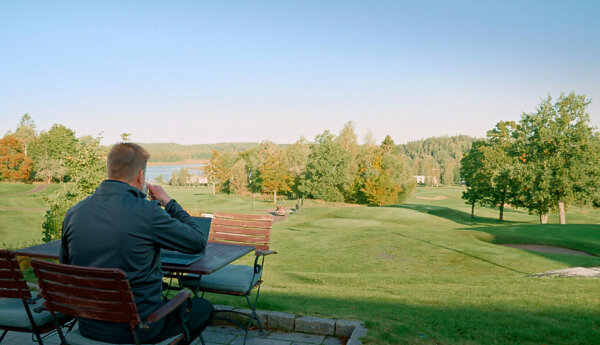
x=219, y=171
x=26, y=131
x=125, y=137
x=500, y=162
x=297, y=157
x=239, y=177
x=87, y=169
x=160, y=179
x=388, y=145
x=559, y=155
x=382, y=178
x=328, y=175
x=49, y=169
x=275, y=173
x=59, y=144
x=477, y=179
x=347, y=138
x=14, y=164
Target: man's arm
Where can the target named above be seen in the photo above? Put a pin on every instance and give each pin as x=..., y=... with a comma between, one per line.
x=173, y=228
x=63, y=256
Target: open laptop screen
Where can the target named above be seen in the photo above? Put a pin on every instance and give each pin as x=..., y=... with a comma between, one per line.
x=176, y=258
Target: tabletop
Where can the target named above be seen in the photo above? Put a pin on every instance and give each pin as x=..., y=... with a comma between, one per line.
x=217, y=256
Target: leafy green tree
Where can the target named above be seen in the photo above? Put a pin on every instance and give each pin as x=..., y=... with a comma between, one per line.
x=328, y=175
x=160, y=179
x=87, y=169
x=49, y=169
x=297, y=157
x=59, y=143
x=477, y=179
x=183, y=176
x=388, y=145
x=347, y=138
x=559, y=155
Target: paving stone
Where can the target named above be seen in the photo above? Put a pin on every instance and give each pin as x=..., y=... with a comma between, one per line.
x=298, y=337
x=358, y=333
x=331, y=341
x=345, y=327
x=262, y=316
x=259, y=341
x=316, y=325
x=218, y=338
x=281, y=320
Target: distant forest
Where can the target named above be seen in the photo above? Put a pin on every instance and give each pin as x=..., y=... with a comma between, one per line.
x=171, y=152
x=436, y=158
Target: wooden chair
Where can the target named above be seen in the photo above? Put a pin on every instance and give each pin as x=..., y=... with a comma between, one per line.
x=237, y=280
x=19, y=311
x=99, y=294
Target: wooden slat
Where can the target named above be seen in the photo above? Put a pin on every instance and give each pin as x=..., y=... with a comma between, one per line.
x=10, y=293
x=262, y=247
x=102, y=283
x=243, y=231
x=87, y=303
x=91, y=314
x=242, y=216
x=241, y=223
x=106, y=295
x=12, y=284
x=238, y=238
x=10, y=274
x=5, y=263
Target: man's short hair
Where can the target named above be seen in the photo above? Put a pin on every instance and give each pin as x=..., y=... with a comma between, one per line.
x=125, y=160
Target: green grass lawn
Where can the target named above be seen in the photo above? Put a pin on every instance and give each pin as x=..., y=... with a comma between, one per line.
x=424, y=272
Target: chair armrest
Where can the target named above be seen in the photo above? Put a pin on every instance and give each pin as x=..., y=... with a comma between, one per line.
x=264, y=252
x=168, y=307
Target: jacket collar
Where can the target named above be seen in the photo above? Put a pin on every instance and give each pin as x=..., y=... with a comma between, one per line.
x=114, y=186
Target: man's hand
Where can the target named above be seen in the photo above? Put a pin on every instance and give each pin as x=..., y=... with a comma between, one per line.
x=158, y=193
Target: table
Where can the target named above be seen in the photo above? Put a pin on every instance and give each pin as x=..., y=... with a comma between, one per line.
x=216, y=257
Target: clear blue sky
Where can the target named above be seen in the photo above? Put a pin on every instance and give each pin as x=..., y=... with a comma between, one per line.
x=215, y=71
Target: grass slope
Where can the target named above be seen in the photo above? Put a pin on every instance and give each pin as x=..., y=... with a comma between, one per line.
x=424, y=272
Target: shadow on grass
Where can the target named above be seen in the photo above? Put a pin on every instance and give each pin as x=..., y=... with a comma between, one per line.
x=401, y=322
x=584, y=237
x=456, y=216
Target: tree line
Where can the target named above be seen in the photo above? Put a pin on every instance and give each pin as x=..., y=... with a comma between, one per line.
x=543, y=163
x=53, y=155
x=332, y=168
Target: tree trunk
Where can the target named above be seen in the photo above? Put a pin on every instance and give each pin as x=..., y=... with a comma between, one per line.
x=275, y=197
x=561, y=212
x=544, y=218
x=502, y=205
x=472, y=210
x=214, y=188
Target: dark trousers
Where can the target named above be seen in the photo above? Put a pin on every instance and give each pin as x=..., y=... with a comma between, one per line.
x=198, y=317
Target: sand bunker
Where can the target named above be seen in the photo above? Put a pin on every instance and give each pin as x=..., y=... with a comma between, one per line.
x=547, y=249
x=571, y=272
x=438, y=197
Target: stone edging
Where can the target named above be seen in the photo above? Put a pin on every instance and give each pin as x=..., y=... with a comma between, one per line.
x=354, y=330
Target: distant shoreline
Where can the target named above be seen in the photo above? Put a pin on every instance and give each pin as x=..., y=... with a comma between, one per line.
x=187, y=161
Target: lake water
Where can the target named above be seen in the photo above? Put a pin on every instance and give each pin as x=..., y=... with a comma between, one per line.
x=166, y=170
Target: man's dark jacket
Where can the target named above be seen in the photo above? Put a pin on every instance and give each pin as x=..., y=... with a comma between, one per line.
x=116, y=227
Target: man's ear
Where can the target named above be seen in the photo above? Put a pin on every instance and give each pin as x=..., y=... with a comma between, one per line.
x=140, y=178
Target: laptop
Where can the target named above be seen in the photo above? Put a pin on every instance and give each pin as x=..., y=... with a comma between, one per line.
x=176, y=258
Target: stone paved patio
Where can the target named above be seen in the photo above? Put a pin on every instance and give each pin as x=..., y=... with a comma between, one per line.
x=215, y=335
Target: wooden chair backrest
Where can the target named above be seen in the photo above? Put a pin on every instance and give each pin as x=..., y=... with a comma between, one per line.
x=247, y=229
x=93, y=293
x=12, y=284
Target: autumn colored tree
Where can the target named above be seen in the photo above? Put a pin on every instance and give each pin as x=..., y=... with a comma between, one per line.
x=219, y=171
x=239, y=177
x=14, y=164
x=274, y=171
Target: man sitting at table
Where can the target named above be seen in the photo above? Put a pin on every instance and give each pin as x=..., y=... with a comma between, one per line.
x=116, y=227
